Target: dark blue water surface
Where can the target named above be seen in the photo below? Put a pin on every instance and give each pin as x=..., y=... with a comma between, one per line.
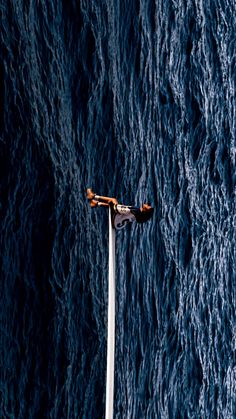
x=135, y=99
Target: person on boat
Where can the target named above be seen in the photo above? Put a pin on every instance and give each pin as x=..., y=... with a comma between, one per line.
x=121, y=214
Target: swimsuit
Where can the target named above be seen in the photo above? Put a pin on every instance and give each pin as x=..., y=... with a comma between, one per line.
x=123, y=215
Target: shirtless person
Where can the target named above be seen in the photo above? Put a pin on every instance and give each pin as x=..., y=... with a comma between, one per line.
x=121, y=214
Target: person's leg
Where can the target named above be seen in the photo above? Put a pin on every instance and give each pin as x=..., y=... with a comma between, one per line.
x=105, y=199
x=90, y=194
x=94, y=203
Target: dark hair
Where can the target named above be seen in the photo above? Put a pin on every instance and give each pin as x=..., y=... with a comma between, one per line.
x=143, y=216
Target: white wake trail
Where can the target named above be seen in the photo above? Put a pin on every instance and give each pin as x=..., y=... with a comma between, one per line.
x=111, y=322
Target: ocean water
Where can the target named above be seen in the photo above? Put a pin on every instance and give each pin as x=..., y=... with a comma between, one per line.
x=135, y=99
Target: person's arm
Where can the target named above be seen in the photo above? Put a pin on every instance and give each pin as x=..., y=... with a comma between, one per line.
x=133, y=208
